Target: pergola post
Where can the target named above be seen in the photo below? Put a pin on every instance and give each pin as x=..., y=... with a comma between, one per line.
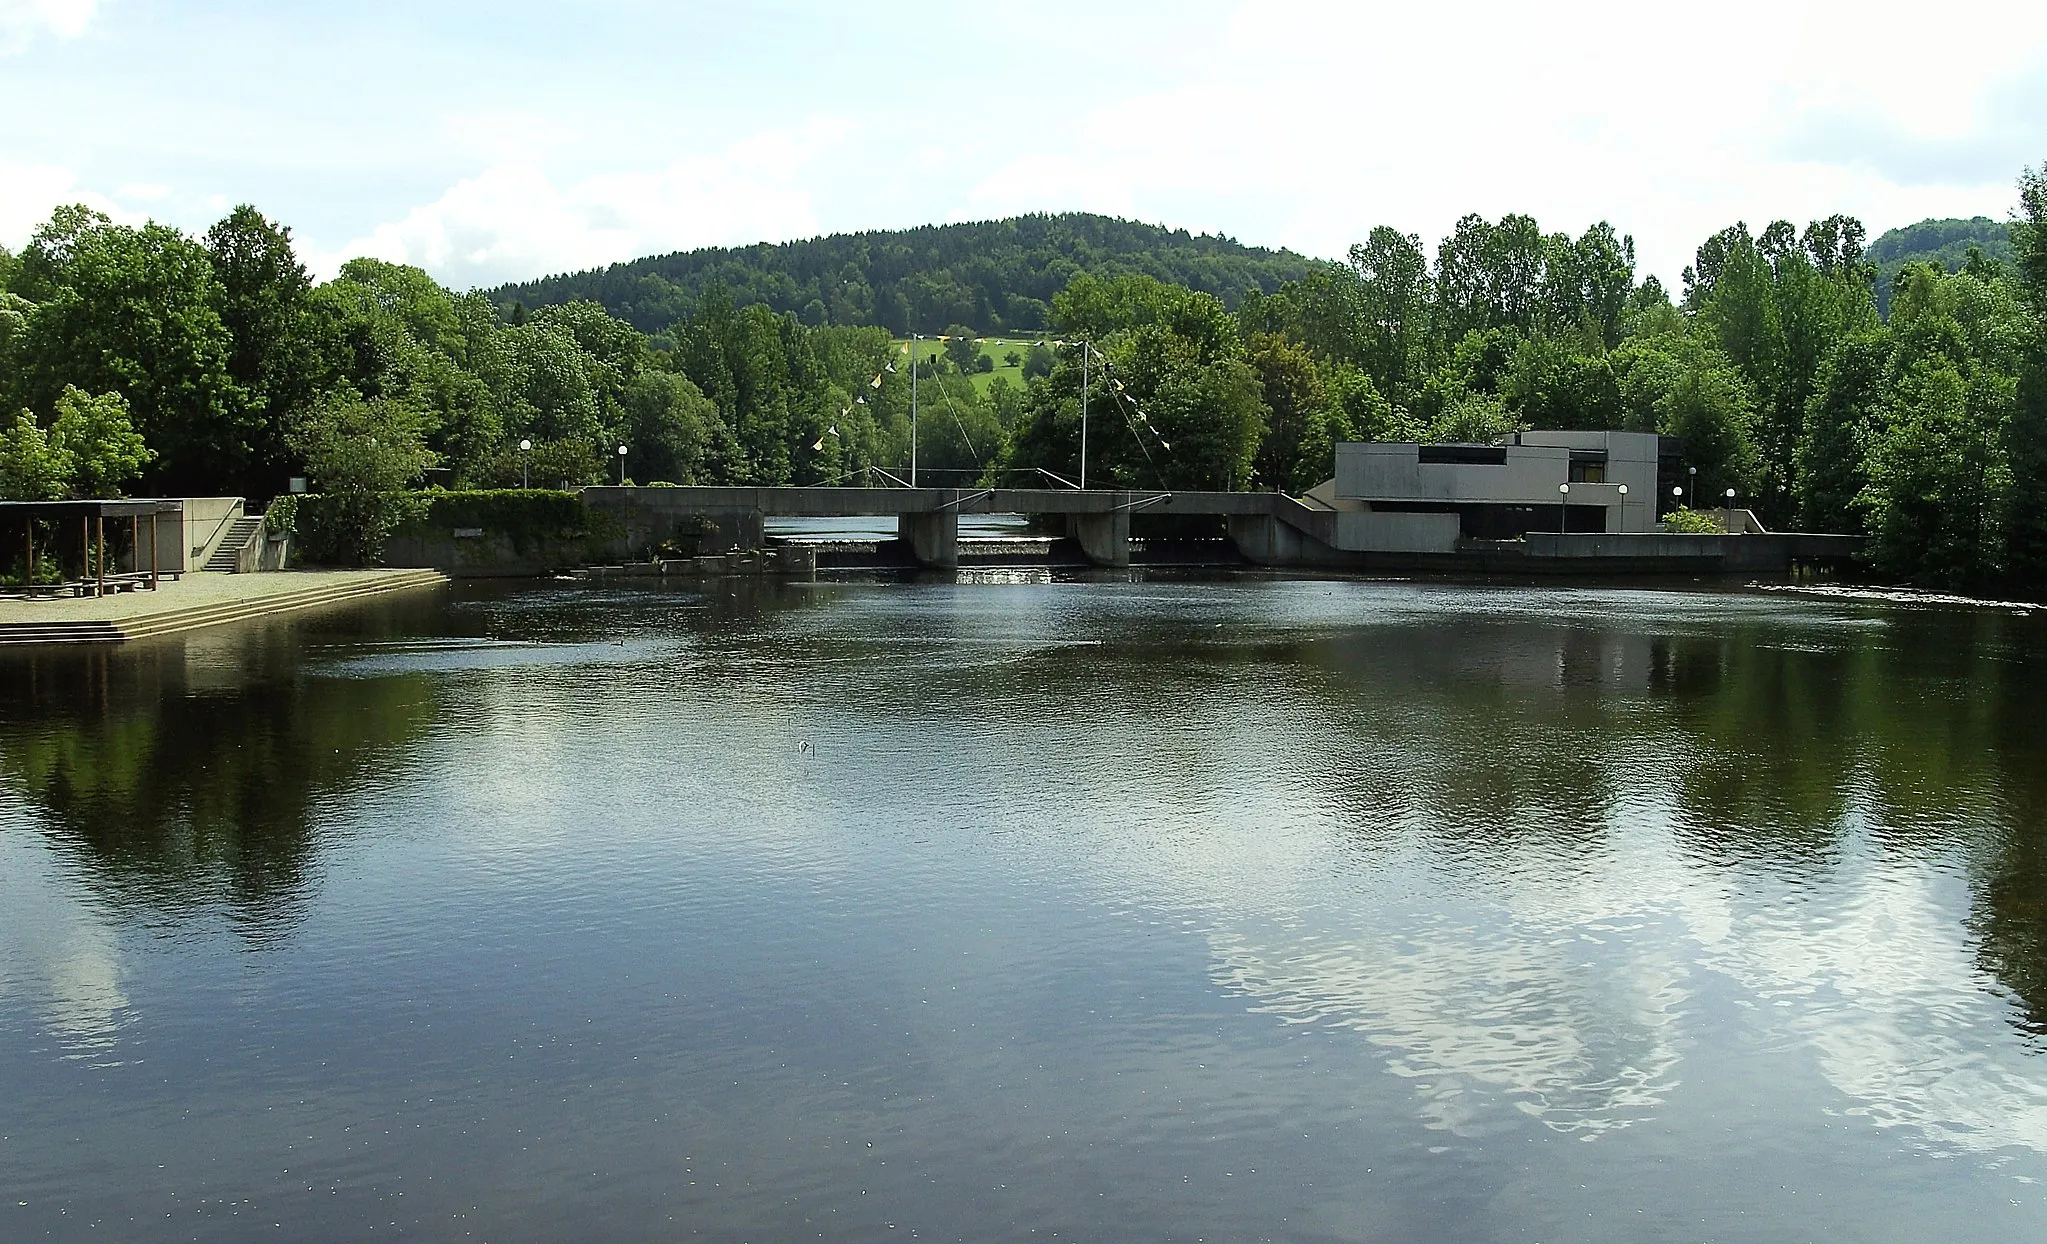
x=100, y=562
x=153, y=546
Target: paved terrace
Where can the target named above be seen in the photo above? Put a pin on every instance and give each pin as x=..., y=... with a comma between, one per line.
x=194, y=601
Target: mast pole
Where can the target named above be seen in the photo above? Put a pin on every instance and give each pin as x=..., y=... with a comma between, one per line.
x=1083, y=413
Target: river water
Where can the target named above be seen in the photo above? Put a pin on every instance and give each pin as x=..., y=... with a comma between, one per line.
x=1023, y=909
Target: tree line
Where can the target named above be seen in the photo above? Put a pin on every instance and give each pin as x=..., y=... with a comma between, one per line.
x=997, y=275
x=144, y=358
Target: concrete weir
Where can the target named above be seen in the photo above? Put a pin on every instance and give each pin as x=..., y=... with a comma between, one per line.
x=1268, y=529
x=927, y=519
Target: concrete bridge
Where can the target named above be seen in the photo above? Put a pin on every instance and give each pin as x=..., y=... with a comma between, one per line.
x=1266, y=528
x=927, y=519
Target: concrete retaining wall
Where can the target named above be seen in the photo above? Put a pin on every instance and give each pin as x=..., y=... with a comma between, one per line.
x=1382, y=532
x=487, y=555
x=207, y=522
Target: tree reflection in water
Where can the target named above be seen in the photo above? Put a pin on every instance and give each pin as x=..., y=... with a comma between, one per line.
x=189, y=771
x=186, y=771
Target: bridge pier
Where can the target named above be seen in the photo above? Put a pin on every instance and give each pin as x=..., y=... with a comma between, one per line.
x=1104, y=538
x=1266, y=540
x=933, y=537
x=734, y=529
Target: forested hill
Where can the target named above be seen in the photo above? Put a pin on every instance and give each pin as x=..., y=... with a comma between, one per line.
x=1943, y=243
x=992, y=276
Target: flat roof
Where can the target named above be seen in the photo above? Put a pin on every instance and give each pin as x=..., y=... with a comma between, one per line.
x=111, y=507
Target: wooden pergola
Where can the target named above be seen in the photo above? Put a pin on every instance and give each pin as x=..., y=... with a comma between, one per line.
x=91, y=517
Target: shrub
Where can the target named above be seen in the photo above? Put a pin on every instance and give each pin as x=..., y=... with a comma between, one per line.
x=524, y=516
x=281, y=519
x=350, y=528
x=1689, y=522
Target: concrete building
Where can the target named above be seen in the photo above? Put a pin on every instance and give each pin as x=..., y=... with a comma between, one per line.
x=1401, y=497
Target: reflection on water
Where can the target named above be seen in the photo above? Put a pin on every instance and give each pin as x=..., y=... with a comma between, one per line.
x=185, y=771
x=1133, y=910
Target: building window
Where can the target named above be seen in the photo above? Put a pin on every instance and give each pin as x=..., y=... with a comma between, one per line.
x=1588, y=472
x=1462, y=455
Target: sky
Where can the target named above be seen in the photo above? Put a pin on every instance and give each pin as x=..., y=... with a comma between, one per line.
x=501, y=141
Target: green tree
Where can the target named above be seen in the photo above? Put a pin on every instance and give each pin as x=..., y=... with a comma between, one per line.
x=671, y=428
x=1708, y=404
x=1296, y=410
x=34, y=464
x=1389, y=311
x=1554, y=382
x=1187, y=413
x=1038, y=362
x=2026, y=431
x=137, y=312
x=1842, y=423
x=14, y=313
x=1733, y=292
x=1473, y=418
x=1359, y=411
x=1930, y=491
x=1490, y=276
x=105, y=449
x=362, y=456
x=960, y=348
x=264, y=296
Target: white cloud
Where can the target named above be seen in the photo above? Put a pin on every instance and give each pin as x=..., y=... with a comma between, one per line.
x=518, y=219
x=29, y=191
x=21, y=21
x=61, y=962
x=1309, y=122
x=1298, y=123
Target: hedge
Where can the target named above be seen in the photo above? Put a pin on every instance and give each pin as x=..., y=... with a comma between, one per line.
x=351, y=529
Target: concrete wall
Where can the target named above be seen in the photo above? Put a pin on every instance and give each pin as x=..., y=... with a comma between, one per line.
x=1392, y=471
x=1387, y=532
x=490, y=556
x=170, y=545
x=1630, y=460
x=207, y=521
x=1268, y=540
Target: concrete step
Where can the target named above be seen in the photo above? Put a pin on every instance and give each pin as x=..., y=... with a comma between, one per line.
x=115, y=631
x=224, y=554
x=229, y=611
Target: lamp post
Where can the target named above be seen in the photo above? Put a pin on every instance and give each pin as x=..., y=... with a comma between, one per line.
x=621, y=466
x=1624, y=507
x=1563, y=506
x=525, y=464
x=1730, y=511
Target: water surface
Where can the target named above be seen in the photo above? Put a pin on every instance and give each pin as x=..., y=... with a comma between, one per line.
x=1019, y=908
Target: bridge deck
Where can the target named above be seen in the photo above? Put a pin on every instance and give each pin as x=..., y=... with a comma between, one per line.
x=830, y=502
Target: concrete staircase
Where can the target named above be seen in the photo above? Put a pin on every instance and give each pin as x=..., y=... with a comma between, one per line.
x=229, y=549
x=122, y=629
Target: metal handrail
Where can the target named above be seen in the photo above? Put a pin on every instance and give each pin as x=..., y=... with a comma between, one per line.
x=238, y=510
